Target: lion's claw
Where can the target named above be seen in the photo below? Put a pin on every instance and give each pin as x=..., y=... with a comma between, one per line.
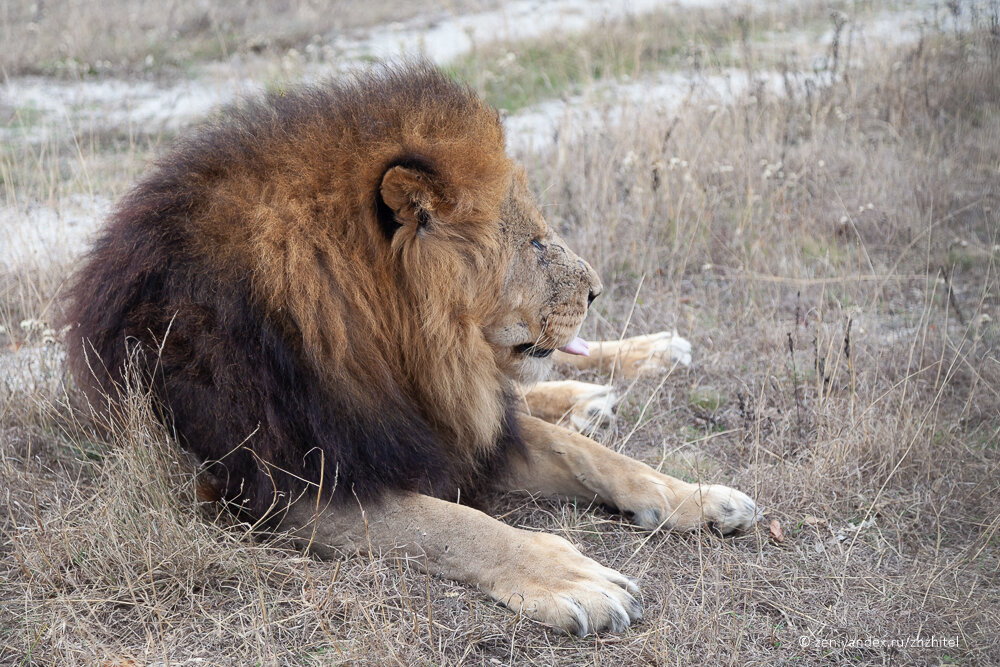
x=562, y=588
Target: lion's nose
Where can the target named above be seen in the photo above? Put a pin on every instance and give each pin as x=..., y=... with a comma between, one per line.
x=591, y=280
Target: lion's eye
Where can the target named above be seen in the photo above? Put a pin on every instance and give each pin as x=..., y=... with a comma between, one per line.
x=538, y=245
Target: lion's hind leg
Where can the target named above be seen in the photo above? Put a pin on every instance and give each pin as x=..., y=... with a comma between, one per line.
x=582, y=406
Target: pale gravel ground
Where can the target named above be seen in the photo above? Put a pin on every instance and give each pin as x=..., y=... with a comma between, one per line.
x=154, y=106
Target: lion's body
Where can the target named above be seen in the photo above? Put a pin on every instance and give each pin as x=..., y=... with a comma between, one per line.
x=332, y=293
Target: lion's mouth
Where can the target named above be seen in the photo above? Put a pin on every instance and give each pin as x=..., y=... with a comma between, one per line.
x=532, y=350
x=575, y=346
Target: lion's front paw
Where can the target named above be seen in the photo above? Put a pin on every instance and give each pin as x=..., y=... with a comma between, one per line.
x=727, y=510
x=557, y=585
x=655, y=501
x=582, y=406
x=653, y=353
x=593, y=407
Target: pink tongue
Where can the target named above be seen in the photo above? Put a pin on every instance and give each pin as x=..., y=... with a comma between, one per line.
x=576, y=346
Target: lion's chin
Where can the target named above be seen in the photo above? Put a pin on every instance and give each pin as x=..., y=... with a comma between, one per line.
x=529, y=370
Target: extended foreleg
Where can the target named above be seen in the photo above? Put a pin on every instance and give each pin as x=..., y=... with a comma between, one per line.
x=638, y=355
x=538, y=574
x=565, y=463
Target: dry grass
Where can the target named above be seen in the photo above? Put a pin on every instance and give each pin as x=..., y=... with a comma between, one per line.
x=833, y=256
x=82, y=38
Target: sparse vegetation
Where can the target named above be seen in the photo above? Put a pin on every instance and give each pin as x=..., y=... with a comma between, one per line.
x=513, y=75
x=832, y=252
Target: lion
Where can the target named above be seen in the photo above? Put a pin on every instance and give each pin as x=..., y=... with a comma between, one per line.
x=333, y=292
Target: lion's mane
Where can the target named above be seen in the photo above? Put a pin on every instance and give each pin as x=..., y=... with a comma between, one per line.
x=287, y=322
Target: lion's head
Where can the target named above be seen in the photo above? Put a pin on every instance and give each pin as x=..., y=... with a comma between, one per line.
x=547, y=289
x=527, y=290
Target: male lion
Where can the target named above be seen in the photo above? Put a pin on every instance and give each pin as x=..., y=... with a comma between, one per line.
x=332, y=291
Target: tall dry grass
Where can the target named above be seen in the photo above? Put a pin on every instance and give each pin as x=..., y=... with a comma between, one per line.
x=832, y=253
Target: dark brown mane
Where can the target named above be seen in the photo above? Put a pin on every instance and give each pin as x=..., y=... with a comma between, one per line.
x=303, y=335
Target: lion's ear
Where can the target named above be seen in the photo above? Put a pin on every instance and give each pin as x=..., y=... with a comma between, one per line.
x=410, y=195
